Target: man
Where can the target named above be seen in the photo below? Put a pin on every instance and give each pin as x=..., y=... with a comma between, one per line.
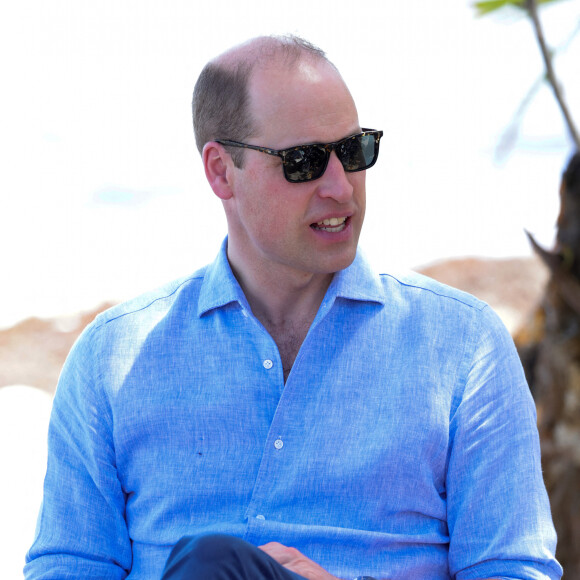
x=285, y=397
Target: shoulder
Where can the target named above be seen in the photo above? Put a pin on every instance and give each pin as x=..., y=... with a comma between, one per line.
x=126, y=326
x=422, y=303
x=117, y=337
x=416, y=302
x=417, y=288
x=150, y=305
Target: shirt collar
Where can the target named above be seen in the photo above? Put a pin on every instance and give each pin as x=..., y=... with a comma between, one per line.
x=357, y=282
x=220, y=287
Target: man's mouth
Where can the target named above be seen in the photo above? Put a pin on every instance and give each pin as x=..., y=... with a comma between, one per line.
x=333, y=225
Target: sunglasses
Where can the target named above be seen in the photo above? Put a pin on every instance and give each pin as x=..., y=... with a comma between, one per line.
x=308, y=162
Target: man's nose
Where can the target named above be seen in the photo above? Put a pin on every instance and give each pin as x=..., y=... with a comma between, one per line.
x=334, y=182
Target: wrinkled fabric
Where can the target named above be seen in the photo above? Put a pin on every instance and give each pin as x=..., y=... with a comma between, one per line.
x=403, y=444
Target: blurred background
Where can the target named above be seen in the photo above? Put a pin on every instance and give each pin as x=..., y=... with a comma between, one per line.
x=104, y=195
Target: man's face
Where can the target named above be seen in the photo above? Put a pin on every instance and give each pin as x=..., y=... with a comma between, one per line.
x=281, y=226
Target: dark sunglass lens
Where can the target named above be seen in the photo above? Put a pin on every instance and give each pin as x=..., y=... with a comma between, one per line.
x=350, y=153
x=357, y=153
x=304, y=163
x=369, y=149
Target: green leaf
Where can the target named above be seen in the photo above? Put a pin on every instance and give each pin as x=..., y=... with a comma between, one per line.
x=484, y=7
x=547, y=1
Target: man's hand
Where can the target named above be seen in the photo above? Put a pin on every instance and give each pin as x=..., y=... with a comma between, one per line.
x=296, y=562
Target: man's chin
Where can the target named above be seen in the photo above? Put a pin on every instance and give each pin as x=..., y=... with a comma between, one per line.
x=338, y=263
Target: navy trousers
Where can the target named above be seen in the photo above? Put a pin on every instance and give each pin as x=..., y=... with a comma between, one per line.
x=221, y=557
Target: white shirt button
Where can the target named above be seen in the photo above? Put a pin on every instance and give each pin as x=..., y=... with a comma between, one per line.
x=268, y=364
x=278, y=444
x=260, y=517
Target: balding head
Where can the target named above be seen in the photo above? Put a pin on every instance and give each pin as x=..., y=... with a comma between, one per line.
x=221, y=98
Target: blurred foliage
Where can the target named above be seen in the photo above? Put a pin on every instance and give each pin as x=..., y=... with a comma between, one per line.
x=530, y=8
x=487, y=6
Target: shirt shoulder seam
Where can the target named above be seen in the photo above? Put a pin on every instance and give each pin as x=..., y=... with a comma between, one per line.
x=103, y=320
x=473, y=301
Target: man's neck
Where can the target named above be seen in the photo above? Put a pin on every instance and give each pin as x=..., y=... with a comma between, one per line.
x=282, y=297
x=286, y=305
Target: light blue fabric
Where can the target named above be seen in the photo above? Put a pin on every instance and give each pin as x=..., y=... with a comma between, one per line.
x=403, y=444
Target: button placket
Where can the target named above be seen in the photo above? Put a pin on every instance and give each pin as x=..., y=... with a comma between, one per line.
x=274, y=452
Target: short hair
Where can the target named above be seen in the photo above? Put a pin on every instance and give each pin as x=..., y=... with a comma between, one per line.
x=221, y=100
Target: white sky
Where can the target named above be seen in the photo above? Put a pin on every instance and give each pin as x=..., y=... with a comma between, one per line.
x=103, y=194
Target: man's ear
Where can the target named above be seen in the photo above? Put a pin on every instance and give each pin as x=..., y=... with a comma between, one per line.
x=218, y=166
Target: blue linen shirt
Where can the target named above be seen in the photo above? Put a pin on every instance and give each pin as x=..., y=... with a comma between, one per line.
x=403, y=444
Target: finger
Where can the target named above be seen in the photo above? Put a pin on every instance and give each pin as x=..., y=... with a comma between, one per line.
x=282, y=554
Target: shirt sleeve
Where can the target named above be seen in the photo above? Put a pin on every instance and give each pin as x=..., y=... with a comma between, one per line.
x=499, y=517
x=81, y=530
